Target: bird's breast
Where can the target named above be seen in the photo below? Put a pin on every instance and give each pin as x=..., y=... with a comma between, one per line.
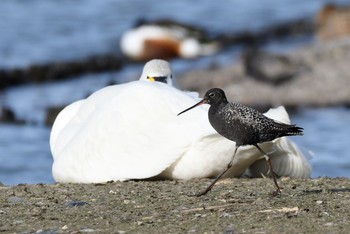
x=228, y=124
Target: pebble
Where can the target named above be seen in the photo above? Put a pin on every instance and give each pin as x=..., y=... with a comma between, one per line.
x=15, y=199
x=75, y=203
x=319, y=202
x=86, y=230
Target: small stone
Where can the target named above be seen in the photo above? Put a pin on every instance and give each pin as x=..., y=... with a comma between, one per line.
x=75, y=203
x=17, y=222
x=49, y=231
x=40, y=203
x=86, y=230
x=15, y=199
x=229, y=230
x=319, y=202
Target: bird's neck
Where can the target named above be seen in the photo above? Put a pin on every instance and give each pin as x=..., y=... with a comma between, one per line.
x=217, y=106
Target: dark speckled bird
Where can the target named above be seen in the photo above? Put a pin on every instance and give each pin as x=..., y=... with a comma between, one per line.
x=244, y=125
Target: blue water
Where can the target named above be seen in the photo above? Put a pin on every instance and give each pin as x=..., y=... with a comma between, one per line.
x=41, y=31
x=327, y=136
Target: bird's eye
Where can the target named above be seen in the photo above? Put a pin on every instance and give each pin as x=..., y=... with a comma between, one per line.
x=211, y=95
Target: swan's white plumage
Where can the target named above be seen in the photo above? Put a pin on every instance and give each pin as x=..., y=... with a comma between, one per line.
x=136, y=134
x=287, y=159
x=62, y=119
x=132, y=131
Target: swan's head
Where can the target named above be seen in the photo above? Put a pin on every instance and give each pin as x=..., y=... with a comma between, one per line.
x=158, y=70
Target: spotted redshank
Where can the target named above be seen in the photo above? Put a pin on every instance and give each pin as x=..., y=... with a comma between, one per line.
x=243, y=125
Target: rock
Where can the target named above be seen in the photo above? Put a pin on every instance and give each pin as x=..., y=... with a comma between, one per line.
x=38, y=73
x=14, y=199
x=51, y=114
x=326, y=82
x=75, y=203
x=268, y=67
x=273, y=32
x=8, y=116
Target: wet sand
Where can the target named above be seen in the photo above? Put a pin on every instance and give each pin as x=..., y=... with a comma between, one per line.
x=233, y=206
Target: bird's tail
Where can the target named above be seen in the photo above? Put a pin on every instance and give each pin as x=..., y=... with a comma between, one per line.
x=288, y=130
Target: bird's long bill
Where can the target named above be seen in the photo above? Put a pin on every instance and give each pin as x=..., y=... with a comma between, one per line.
x=204, y=101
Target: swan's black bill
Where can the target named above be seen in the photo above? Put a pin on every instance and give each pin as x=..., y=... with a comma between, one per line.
x=204, y=101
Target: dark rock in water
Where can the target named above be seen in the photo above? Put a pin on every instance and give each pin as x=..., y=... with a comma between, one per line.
x=268, y=67
x=51, y=114
x=8, y=116
x=59, y=70
x=274, y=32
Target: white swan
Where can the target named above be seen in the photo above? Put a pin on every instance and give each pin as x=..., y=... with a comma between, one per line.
x=132, y=131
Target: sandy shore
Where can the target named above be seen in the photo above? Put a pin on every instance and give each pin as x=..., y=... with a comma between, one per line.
x=234, y=206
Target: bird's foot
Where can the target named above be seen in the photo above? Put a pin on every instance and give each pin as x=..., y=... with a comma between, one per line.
x=197, y=194
x=192, y=194
x=201, y=193
x=276, y=192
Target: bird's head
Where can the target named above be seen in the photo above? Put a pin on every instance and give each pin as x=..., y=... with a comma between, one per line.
x=214, y=96
x=211, y=97
x=158, y=70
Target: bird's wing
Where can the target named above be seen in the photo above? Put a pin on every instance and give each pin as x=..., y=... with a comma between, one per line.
x=134, y=134
x=62, y=119
x=286, y=157
x=70, y=119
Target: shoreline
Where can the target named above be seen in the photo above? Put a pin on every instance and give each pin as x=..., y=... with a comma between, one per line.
x=234, y=205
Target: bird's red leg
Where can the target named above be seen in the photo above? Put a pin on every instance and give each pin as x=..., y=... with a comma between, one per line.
x=278, y=190
x=218, y=177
